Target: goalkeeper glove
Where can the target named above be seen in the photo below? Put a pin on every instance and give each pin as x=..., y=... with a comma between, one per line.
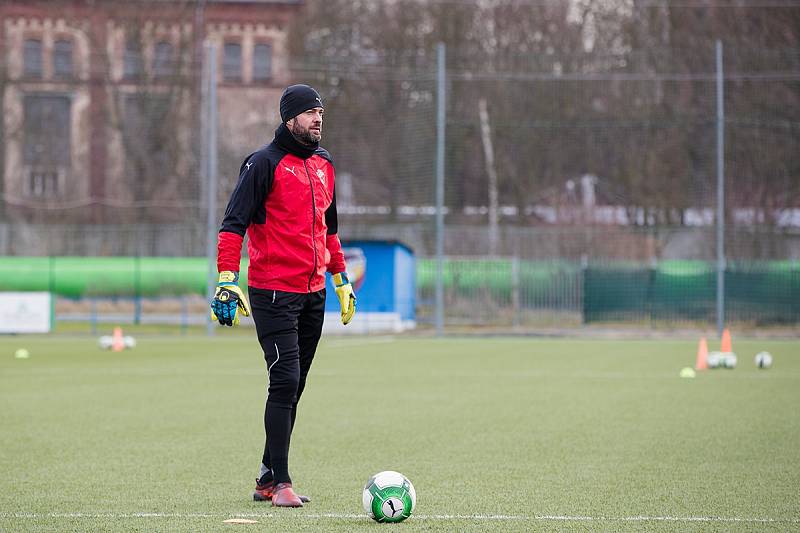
x=228, y=300
x=347, y=299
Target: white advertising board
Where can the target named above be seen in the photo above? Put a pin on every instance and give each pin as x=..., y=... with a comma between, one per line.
x=25, y=312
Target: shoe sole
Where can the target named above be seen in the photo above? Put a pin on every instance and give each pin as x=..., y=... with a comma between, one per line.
x=290, y=506
x=259, y=498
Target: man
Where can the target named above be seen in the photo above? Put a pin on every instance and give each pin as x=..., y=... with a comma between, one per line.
x=285, y=202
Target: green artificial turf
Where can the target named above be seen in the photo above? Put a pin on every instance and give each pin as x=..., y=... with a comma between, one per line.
x=497, y=434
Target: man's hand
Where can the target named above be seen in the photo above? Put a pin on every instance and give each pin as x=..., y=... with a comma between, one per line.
x=347, y=299
x=228, y=299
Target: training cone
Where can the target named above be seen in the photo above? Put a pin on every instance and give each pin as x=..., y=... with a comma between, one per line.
x=117, y=340
x=725, y=345
x=702, y=355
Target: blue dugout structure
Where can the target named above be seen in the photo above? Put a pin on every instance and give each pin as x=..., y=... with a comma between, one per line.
x=383, y=274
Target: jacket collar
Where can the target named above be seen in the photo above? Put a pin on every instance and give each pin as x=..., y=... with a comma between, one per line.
x=287, y=141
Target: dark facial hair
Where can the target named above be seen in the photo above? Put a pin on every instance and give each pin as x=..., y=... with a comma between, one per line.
x=303, y=136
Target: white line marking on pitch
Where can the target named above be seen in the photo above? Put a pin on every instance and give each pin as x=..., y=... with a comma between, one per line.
x=440, y=517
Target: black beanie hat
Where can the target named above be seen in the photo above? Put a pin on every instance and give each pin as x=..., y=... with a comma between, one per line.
x=296, y=99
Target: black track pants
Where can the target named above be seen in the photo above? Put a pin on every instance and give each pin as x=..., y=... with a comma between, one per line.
x=289, y=326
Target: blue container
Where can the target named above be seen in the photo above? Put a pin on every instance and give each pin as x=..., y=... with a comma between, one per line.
x=383, y=274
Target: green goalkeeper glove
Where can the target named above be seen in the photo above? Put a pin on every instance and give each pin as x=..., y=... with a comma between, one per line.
x=228, y=300
x=347, y=299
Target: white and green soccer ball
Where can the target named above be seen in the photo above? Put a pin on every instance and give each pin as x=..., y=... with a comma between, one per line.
x=721, y=360
x=389, y=497
x=729, y=360
x=763, y=360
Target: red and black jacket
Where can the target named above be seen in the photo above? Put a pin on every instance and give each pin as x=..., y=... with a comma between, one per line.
x=284, y=200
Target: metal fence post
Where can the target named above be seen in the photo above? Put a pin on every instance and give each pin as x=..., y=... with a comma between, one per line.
x=440, y=133
x=210, y=109
x=515, y=300
x=137, y=290
x=582, y=288
x=720, y=193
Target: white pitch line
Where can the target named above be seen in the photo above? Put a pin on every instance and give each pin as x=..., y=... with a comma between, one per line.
x=437, y=517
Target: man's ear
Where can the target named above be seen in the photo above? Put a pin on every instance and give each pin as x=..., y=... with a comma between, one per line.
x=290, y=123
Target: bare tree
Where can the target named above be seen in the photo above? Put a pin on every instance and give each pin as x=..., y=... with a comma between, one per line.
x=622, y=90
x=153, y=90
x=3, y=82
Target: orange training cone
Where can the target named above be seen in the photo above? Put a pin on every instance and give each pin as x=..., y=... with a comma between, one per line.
x=702, y=355
x=725, y=345
x=117, y=342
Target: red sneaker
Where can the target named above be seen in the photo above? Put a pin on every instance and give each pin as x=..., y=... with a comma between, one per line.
x=283, y=496
x=263, y=492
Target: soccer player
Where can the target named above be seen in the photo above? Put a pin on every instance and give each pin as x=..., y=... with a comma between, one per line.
x=285, y=202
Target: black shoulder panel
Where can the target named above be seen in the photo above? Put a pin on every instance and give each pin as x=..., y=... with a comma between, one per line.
x=256, y=175
x=322, y=152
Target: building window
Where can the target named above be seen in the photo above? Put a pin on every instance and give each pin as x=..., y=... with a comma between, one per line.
x=62, y=59
x=146, y=131
x=44, y=182
x=33, y=58
x=132, y=60
x=262, y=62
x=163, y=61
x=46, y=149
x=232, y=62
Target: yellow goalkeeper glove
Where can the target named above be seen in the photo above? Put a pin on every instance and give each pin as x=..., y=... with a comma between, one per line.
x=347, y=299
x=228, y=300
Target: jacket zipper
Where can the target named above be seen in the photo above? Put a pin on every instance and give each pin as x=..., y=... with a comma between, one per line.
x=313, y=221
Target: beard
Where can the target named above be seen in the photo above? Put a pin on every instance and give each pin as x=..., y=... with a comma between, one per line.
x=305, y=135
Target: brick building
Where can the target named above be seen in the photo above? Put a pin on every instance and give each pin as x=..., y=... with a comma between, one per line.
x=102, y=102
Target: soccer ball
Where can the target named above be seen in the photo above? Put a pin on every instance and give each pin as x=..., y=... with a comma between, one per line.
x=714, y=359
x=388, y=497
x=106, y=342
x=728, y=360
x=763, y=359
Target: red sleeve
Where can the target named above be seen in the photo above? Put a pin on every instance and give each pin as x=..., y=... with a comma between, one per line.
x=336, y=265
x=229, y=251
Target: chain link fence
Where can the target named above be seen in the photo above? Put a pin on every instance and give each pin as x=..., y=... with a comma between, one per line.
x=557, y=161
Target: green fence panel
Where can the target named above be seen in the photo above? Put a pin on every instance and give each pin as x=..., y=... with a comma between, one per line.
x=683, y=290
x=686, y=291
x=477, y=290
x=762, y=294
x=26, y=274
x=616, y=294
x=77, y=277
